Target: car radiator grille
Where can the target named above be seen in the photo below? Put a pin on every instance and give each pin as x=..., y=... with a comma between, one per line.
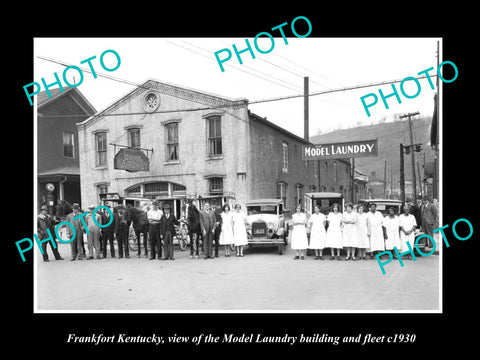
x=259, y=229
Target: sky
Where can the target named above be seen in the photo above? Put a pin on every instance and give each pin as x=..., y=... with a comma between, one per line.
x=329, y=63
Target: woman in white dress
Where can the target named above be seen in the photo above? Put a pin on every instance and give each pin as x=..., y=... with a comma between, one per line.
x=407, y=223
x=239, y=229
x=363, y=242
x=317, y=232
x=226, y=235
x=375, y=230
x=299, y=233
x=333, y=239
x=350, y=238
x=392, y=226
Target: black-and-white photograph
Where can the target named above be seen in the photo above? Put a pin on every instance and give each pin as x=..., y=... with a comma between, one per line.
x=277, y=174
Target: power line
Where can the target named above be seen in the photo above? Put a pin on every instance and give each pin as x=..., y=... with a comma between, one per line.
x=241, y=69
x=287, y=97
x=334, y=90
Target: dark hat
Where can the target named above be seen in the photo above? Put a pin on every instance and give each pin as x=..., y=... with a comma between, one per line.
x=166, y=206
x=44, y=207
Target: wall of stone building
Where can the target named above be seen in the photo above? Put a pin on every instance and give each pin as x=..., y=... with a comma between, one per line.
x=335, y=183
x=192, y=169
x=266, y=162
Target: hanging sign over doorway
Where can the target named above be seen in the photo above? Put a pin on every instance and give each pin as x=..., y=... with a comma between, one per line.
x=131, y=160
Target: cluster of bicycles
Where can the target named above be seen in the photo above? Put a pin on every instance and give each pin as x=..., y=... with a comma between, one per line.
x=181, y=238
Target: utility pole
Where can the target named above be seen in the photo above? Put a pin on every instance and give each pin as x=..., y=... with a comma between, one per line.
x=391, y=183
x=402, y=176
x=352, y=181
x=414, y=178
x=385, y=181
x=306, y=135
x=419, y=180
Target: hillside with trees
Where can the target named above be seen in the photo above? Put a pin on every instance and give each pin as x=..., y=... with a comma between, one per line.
x=390, y=135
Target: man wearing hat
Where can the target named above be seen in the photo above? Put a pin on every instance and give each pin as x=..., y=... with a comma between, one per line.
x=107, y=232
x=93, y=234
x=154, y=216
x=429, y=218
x=207, y=224
x=121, y=220
x=76, y=244
x=44, y=222
x=167, y=225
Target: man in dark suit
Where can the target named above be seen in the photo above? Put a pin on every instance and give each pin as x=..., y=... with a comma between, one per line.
x=429, y=217
x=107, y=233
x=207, y=224
x=218, y=229
x=121, y=223
x=46, y=222
x=167, y=225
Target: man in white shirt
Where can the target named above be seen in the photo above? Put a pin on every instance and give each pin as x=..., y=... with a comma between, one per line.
x=154, y=215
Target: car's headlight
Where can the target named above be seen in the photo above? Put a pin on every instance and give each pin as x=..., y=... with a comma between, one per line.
x=270, y=226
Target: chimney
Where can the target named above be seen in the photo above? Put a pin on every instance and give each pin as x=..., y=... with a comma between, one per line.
x=306, y=135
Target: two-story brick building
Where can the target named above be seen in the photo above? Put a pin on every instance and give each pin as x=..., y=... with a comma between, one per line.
x=58, y=173
x=176, y=143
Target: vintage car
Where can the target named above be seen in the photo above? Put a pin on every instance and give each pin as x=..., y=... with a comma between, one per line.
x=382, y=205
x=324, y=200
x=218, y=200
x=267, y=223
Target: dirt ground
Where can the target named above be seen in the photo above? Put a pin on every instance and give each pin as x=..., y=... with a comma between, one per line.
x=262, y=280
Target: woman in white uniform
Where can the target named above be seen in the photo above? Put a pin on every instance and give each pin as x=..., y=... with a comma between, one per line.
x=407, y=223
x=239, y=229
x=226, y=235
x=350, y=238
x=375, y=229
x=317, y=232
x=333, y=239
x=299, y=233
x=363, y=241
x=392, y=227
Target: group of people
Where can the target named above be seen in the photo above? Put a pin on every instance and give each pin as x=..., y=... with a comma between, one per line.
x=213, y=228
x=360, y=232
x=227, y=228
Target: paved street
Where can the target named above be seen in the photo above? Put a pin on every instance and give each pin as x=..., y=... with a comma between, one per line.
x=261, y=280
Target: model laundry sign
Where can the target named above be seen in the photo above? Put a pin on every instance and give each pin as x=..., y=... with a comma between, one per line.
x=350, y=149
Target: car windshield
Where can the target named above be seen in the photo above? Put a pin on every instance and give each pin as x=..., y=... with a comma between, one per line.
x=262, y=209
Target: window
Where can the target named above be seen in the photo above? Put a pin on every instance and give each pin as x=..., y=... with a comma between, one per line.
x=178, y=188
x=134, y=137
x=156, y=188
x=214, y=133
x=282, y=191
x=216, y=186
x=172, y=141
x=101, y=148
x=68, y=149
x=134, y=191
x=285, y=157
